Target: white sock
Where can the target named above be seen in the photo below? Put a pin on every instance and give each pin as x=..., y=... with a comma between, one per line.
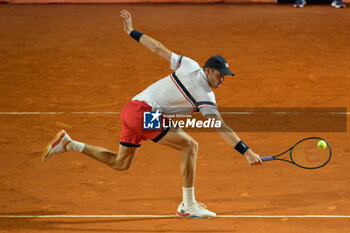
x=76, y=146
x=188, y=196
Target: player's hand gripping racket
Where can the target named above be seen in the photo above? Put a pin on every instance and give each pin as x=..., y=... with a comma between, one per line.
x=308, y=153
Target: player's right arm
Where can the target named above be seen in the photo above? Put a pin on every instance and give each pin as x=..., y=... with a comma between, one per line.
x=152, y=44
x=232, y=139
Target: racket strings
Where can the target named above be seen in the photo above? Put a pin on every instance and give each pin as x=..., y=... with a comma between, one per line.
x=308, y=155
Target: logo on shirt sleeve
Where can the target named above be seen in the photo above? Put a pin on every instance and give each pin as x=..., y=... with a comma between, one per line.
x=152, y=120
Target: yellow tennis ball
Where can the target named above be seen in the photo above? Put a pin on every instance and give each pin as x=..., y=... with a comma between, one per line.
x=321, y=144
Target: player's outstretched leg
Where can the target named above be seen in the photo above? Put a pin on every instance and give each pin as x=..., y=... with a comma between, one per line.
x=62, y=143
x=189, y=207
x=120, y=161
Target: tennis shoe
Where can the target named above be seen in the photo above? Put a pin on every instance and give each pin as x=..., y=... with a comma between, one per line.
x=197, y=210
x=338, y=4
x=299, y=3
x=57, y=145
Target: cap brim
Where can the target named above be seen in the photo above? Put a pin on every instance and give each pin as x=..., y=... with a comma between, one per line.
x=226, y=72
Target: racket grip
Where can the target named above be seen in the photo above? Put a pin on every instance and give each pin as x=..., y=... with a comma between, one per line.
x=267, y=158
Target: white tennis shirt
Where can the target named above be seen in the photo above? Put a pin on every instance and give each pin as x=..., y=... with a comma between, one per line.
x=183, y=92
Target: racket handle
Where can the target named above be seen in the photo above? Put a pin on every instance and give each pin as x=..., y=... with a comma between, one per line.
x=267, y=158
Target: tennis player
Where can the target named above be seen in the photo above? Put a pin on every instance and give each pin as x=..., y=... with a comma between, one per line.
x=186, y=90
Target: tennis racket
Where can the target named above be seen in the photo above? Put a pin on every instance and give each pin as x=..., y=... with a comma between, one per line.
x=305, y=154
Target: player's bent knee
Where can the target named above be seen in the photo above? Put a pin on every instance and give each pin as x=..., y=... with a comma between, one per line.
x=195, y=146
x=191, y=146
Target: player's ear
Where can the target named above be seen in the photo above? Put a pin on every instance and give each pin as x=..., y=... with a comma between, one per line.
x=207, y=70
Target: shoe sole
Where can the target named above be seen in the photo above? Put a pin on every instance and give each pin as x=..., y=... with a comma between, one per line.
x=338, y=6
x=54, y=142
x=180, y=215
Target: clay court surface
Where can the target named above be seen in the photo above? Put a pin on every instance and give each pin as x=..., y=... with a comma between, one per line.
x=73, y=60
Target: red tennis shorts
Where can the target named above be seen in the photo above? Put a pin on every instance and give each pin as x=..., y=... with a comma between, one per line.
x=132, y=133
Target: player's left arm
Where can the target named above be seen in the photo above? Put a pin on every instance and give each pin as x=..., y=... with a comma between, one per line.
x=152, y=44
x=232, y=139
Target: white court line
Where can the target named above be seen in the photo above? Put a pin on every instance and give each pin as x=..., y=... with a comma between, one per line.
x=283, y=216
x=87, y=216
x=172, y=216
x=59, y=113
x=117, y=113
